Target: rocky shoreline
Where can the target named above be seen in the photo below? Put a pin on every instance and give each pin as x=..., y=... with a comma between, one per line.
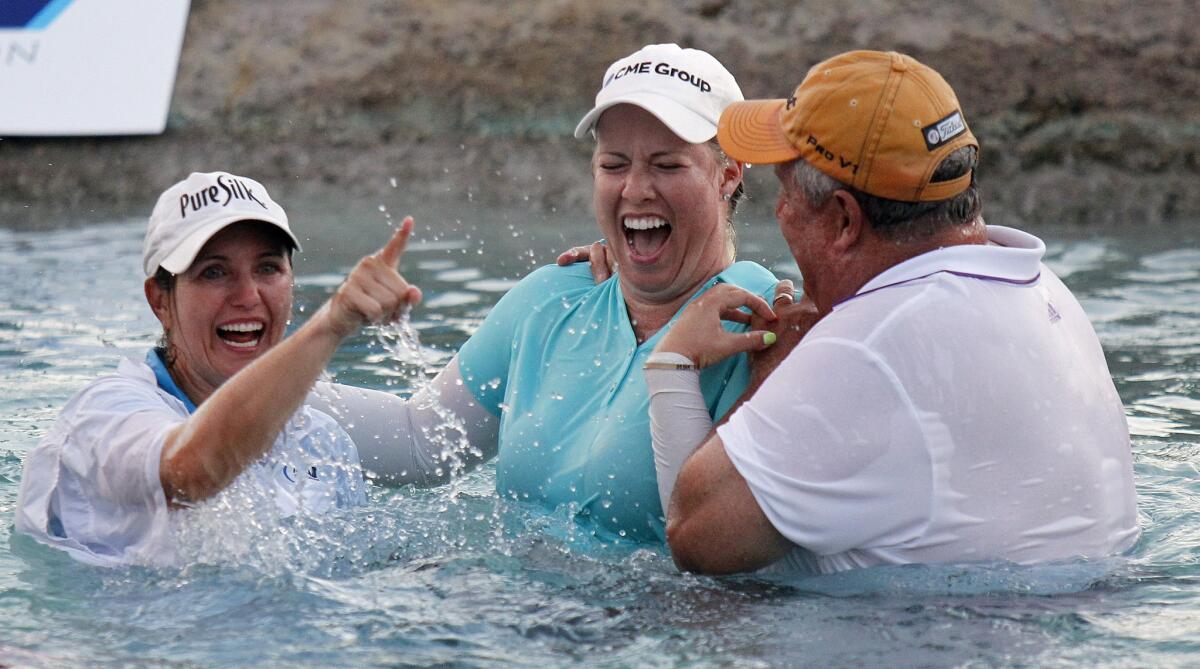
x=1087, y=111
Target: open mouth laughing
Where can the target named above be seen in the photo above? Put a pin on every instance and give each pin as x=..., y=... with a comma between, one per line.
x=646, y=236
x=241, y=334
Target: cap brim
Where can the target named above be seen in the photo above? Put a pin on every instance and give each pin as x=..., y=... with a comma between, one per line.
x=182, y=257
x=751, y=132
x=685, y=123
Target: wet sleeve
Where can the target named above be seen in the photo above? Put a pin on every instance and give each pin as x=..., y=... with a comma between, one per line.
x=485, y=358
x=109, y=505
x=833, y=451
x=679, y=420
x=438, y=432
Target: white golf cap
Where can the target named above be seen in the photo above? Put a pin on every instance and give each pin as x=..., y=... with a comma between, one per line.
x=686, y=89
x=189, y=213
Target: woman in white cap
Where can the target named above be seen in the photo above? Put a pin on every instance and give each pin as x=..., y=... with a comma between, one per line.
x=220, y=400
x=551, y=384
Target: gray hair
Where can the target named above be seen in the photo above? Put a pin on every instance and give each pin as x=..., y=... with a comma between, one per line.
x=896, y=220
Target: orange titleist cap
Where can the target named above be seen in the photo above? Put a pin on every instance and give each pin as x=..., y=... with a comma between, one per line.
x=880, y=122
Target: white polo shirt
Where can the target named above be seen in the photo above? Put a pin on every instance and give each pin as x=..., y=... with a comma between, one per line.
x=958, y=408
x=91, y=487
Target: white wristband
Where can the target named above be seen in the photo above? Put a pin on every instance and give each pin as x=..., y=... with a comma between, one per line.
x=668, y=360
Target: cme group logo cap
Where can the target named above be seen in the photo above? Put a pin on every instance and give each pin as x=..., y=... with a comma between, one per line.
x=880, y=122
x=686, y=89
x=30, y=14
x=189, y=213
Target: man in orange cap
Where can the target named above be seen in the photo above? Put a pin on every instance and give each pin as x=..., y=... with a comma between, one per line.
x=938, y=395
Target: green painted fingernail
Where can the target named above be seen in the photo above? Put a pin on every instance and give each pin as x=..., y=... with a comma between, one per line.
x=769, y=338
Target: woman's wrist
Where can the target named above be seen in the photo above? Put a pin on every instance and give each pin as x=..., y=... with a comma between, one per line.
x=326, y=325
x=669, y=360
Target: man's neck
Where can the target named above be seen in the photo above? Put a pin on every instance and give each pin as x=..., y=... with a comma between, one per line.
x=878, y=254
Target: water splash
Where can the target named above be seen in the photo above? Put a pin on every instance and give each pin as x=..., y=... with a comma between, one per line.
x=402, y=344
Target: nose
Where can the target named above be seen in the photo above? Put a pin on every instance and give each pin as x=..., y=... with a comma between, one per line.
x=639, y=185
x=245, y=290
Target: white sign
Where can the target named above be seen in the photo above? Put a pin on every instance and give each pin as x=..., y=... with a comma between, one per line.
x=88, y=67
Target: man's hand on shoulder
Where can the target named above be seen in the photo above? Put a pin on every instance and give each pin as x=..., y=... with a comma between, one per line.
x=602, y=263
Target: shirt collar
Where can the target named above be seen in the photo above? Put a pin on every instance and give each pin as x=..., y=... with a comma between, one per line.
x=1010, y=256
x=163, y=377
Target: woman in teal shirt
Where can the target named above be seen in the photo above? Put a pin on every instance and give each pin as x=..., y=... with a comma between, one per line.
x=551, y=383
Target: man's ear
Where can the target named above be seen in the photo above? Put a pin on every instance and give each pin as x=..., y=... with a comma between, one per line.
x=852, y=222
x=159, y=301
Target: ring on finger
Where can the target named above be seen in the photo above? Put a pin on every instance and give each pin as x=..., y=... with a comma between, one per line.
x=781, y=296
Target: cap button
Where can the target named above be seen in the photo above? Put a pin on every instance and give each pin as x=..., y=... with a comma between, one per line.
x=899, y=63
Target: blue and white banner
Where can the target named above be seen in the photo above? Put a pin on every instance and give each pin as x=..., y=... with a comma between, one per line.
x=88, y=67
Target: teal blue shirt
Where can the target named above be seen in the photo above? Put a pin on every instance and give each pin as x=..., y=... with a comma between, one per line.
x=556, y=359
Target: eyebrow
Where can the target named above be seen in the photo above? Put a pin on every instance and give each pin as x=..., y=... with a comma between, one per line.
x=214, y=256
x=656, y=154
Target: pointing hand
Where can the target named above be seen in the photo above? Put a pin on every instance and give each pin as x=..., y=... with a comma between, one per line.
x=374, y=291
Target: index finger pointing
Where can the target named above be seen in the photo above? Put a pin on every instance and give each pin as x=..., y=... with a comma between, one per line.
x=394, y=249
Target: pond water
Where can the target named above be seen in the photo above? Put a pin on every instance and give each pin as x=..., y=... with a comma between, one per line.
x=452, y=576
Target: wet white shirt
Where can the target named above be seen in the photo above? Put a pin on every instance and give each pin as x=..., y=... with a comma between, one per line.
x=958, y=408
x=91, y=487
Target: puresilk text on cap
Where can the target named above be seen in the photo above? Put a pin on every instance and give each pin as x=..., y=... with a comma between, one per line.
x=223, y=192
x=192, y=211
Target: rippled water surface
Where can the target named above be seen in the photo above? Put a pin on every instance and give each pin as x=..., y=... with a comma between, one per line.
x=451, y=576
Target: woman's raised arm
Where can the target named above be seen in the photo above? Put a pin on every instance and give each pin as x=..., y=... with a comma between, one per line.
x=239, y=422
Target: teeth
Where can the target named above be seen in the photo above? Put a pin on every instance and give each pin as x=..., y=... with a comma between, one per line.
x=242, y=327
x=238, y=344
x=644, y=223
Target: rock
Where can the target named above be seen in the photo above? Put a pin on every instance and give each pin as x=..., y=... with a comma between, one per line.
x=1086, y=109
